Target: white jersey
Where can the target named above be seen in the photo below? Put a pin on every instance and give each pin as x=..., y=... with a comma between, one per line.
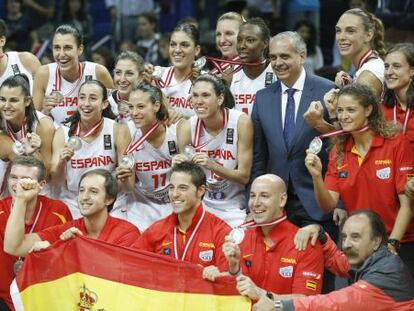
x=152, y=167
x=113, y=102
x=375, y=66
x=224, y=198
x=178, y=93
x=69, y=90
x=244, y=89
x=19, y=135
x=14, y=67
x=99, y=153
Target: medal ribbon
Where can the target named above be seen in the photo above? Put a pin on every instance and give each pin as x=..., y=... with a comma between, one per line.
x=91, y=131
x=187, y=245
x=252, y=224
x=58, y=80
x=11, y=133
x=137, y=143
x=199, y=127
x=406, y=116
x=367, y=56
x=222, y=64
x=163, y=84
x=339, y=132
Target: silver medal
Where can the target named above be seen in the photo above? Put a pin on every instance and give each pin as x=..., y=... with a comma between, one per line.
x=200, y=63
x=123, y=107
x=237, y=235
x=127, y=160
x=17, y=266
x=315, y=145
x=58, y=95
x=18, y=148
x=189, y=151
x=158, y=72
x=75, y=143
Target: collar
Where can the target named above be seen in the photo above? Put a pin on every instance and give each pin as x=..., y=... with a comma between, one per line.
x=377, y=141
x=298, y=85
x=274, y=234
x=194, y=221
x=381, y=252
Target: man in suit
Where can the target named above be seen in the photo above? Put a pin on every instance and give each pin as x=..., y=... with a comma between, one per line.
x=281, y=135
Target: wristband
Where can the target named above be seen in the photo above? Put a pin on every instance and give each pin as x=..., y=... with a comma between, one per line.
x=394, y=243
x=235, y=274
x=322, y=236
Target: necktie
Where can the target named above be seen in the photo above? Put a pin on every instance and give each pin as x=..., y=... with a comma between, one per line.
x=289, y=128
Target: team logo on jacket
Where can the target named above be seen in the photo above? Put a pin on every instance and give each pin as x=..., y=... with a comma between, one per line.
x=286, y=272
x=206, y=255
x=384, y=173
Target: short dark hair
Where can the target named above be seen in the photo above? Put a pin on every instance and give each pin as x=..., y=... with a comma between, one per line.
x=111, y=184
x=376, y=224
x=259, y=22
x=30, y=161
x=198, y=177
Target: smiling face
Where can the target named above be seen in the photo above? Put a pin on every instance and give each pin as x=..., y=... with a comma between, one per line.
x=13, y=103
x=142, y=111
x=66, y=52
x=351, y=114
x=357, y=240
x=92, y=198
x=286, y=62
x=398, y=71
x=351, y=36
x=250, y=44
x=183, y=50
x=184, y=195
x=206, y=103
x=18, y=172
x=267, y=199
x=226, y=37
x=126, y=76
x=91, y=103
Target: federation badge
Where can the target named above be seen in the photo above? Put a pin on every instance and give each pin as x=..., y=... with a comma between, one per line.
x=384, y=173
x=206, y=256
x=286, y=272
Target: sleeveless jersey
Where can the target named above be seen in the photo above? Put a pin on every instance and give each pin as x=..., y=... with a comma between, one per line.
x=224, y=198
x=113, y=102
x=19, y=134
x=14, y=67
x=375, y=66
x=244, y=89
x=99, y=153
x=178, y=94
x=152, y=167
x=69, y=90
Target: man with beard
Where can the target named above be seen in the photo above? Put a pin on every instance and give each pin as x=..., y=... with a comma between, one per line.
x=379, y=279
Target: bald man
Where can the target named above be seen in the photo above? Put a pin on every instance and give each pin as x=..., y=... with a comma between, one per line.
x=266, y=260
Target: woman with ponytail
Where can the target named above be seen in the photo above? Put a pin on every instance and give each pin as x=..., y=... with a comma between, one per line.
x=360, y=39
x=89, y=139
x=398, y=103
x=220, y=140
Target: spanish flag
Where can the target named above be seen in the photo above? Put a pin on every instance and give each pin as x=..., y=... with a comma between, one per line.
x=89, y=275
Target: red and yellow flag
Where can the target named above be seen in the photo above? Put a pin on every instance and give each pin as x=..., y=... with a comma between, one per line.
x=90, y=275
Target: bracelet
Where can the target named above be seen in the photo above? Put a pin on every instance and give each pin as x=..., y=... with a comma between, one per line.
x=277, y=305
x=237, y=272
x=395, y=243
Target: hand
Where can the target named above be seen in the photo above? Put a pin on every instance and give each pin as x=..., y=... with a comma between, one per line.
x=195, y=73
x=310, y=232
x=27, y=189
x=264, y=304
x=147, y=74
x=314, y=115
x=392, y=249
x=49, y=102
x=339, y=216
x=174, y=116
x=246, y=287
x=66, y=153
x=342, y=78
x=39, y=245
x=123, y=173
x=70, y=233
x=409, y=188
x=202, y=159
x=31, y=143
x=212, y=272
x=179, y=158
x=313, y=164
x=331, y=101
x=232, y=253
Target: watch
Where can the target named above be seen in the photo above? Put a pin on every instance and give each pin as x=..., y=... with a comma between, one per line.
x=277, y=305
x=394, y=243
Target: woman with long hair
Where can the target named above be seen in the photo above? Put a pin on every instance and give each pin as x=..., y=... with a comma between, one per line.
x=152, y=148
x=89, y=139
x=56, y=85
x=360, y=39
x=368, y=167
x=227, y=29
x=219, y=139
x=398, y=102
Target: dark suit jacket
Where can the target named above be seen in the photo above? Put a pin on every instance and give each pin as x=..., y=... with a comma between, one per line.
x=269, y=145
